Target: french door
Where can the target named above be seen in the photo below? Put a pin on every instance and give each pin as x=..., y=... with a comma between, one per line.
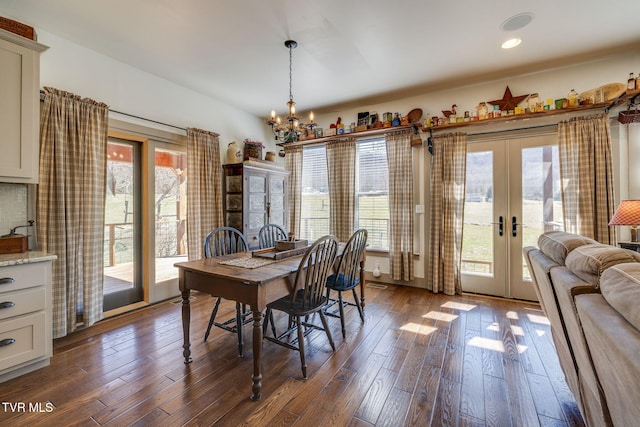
x=512, y=196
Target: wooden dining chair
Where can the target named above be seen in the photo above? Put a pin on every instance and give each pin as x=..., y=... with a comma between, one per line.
x=219, y=242
x=347, y=277
x=269, y=234
x=309, y=296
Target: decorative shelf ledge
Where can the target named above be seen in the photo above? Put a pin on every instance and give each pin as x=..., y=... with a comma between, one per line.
x=627, y=96
x=547, y=113
x=369, y=132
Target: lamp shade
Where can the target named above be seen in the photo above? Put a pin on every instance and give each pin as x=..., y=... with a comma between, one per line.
x=628, y=213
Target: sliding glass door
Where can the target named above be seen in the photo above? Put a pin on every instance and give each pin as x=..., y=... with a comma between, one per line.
x=122, y=238
x=170, y=218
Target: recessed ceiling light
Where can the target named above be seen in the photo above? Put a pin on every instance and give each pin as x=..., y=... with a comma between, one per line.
x=508, y=44
x=518, y=21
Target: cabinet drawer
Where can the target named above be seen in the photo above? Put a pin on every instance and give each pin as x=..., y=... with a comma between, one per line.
x=14, y=277
x=22, y=339
x=22, y=302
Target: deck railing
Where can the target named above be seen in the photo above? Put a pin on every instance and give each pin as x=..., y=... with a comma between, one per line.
x=118, y=240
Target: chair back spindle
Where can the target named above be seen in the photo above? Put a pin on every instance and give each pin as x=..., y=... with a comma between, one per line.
x=311, y=277
x=348, y=270
x=224, y=241
x=269, y=234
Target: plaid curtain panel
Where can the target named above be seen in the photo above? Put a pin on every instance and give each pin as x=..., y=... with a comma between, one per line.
x=341, y=168
x=584, y=150
x=293, y=163
x=448, y=176
x=204, y=188
x=400, y=162
x=70, y=208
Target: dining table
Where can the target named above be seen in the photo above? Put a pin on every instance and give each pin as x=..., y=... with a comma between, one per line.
x=246, y=279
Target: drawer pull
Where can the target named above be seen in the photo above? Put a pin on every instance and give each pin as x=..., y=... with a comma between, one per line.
x=7, y=341
x=6, y=280
x=7, y=304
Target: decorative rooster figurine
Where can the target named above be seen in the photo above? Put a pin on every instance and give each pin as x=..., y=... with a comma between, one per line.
x=448, y=113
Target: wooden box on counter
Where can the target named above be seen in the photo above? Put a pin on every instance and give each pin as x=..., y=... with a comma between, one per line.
x=286, y=245
x=14, y=244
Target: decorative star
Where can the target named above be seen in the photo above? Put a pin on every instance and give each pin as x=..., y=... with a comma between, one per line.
x=508, y=101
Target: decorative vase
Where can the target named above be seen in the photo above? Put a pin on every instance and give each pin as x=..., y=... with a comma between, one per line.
x=376, y=271
x=270, y=156
x=234, y=155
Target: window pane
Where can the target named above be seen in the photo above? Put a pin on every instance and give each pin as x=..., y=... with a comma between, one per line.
x=541, y=196
x=372, y=188
x=314, y=215
x=119, y=242
x=477, y=239
x=170, y=212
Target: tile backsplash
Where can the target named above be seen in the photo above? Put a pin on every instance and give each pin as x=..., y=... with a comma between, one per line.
x=14, y=208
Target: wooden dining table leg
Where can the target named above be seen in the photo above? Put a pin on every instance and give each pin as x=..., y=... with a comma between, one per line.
x=257, y=354
x=186, y=320
x=362, y=284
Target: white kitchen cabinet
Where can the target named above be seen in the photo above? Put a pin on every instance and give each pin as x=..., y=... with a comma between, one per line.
x=25, y=313
x=19, y=108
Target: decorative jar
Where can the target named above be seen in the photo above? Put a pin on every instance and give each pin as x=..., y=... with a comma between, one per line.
x=233, y=154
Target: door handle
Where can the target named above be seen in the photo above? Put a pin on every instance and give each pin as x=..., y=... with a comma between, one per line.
x=514, y=226
x=500, y=224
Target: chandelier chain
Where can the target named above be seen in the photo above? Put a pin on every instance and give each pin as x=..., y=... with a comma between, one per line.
x=291, y=73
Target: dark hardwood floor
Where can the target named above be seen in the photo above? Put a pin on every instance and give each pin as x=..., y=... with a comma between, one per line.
x=420, y=359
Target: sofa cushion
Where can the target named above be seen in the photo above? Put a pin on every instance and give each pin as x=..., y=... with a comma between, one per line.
x=557, y=244
x=589, y=261
x=620, y=286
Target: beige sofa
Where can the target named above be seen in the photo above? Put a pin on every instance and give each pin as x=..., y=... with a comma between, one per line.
x=591, y=293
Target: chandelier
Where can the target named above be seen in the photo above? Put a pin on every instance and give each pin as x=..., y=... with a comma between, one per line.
x=291, y=129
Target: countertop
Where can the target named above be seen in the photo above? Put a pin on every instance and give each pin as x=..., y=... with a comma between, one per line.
x=25, y=258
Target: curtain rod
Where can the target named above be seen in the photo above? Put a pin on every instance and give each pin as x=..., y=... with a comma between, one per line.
x=131, y=115
x=549, y=126
x=148, y=120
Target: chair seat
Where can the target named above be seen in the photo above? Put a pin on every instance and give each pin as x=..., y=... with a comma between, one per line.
x=340, y=284
x=300, y=308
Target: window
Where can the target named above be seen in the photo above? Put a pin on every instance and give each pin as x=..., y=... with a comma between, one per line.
x=314, y=217
x=372, y=191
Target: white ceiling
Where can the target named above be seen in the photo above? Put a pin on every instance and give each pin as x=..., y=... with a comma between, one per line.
x=349, y=51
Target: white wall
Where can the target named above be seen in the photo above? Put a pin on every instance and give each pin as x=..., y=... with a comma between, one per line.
x=71, y=67
x=68, y=66
x=552, y=83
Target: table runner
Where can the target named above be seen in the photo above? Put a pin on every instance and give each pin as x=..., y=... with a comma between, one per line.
x=248, y=262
